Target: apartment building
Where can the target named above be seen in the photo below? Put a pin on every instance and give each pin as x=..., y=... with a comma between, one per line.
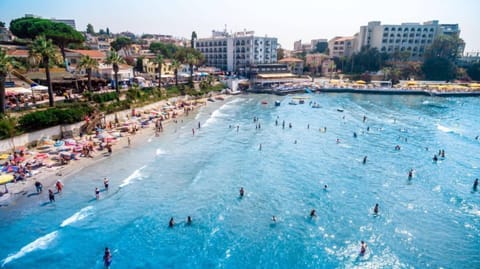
x=340, y=46
x=238, y=51
x=410, y=37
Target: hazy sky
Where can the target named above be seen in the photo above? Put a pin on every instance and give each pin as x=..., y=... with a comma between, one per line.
x=286, y=20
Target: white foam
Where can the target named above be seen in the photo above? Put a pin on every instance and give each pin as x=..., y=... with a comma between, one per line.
x=40, y=243
x=83, y=213
x=159, y=151
x=134, y=175
x=444, y=128
x=215, y=116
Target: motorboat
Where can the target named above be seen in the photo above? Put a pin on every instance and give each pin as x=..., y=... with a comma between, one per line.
x=277, y=103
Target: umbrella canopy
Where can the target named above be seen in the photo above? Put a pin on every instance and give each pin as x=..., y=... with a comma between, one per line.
x=5, y=178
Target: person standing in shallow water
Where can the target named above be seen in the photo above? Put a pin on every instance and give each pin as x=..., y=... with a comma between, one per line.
x=475, y=185
x=375, y=209
x=242, y=192
x=363, y=248
x=51, y=196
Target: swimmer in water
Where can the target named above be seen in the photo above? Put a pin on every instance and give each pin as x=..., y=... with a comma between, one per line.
x=171, y=223
x=105, y=183
x=313, y=213
x=274, y=219
x=363, y=248
x=338, y=141
x=475, y=185
x=410, y=174
x=397, y=147
x=354, y=134
x=375, y=209
x=435, y=158
x=107, y=258
x=242, y=192
x=189, y=220
x=365, y=160
x=325, y=187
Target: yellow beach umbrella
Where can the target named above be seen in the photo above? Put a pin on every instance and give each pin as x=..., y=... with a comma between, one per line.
x=5, y=178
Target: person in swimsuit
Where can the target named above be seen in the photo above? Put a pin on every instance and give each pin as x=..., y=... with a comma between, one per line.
x=171, y=223
x=242, y=192
x=375, y=209
x=107, y=258
x=313, y=213
x=105, y=183
x=97, y=193
x=363, y=248
x=51, y=196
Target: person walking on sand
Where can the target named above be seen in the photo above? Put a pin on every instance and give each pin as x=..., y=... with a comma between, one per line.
x=51, y=196
x=38, y=186
x=193, y=131
x=107, y=258
x=128, y=141
x=97, y=193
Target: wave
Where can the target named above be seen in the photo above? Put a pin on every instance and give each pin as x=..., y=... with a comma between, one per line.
x=83, y=213
x=444, y=129
x=217, y=114
x=40, y=243
x=134, y=175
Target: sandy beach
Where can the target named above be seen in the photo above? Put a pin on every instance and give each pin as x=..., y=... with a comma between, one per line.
x=23, y=189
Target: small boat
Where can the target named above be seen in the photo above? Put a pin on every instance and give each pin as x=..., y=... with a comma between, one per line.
x=277, y=103
x=339, y=110
x=292, y=103
x=264, y=102
x=301, y=101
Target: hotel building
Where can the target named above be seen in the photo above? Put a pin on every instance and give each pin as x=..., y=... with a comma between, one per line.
x=238, y=51
x=410, y=37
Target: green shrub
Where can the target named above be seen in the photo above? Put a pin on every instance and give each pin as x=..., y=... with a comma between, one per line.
x=8, y=127
x=53, y=116
x=104, y=97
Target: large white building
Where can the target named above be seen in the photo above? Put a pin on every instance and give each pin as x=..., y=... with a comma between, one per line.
x=410, y=37
x=236, y=52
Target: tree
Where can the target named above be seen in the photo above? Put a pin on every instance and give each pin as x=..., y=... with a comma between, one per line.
x=107, y=31
x=189, y=56
x=6, y=65
x=192, y=40
x=438, y=68
x=101, y=32
x=139, y=64
x=474, y=71
x=320, y=47
x=115, y=60
x=2, y=24
x=89, y=64
x=90, y=29
x=60, y=33
x=280, y=53
x=121, y=43
x=159, y=61
x=44, y=50
x=445, y=46
x=175, y=65
x=167, y=50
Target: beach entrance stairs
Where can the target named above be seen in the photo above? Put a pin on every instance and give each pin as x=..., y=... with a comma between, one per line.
x=94, y=119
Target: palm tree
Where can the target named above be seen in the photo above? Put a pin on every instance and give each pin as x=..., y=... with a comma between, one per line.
x=114, y=59
x=159, y=61
x=89, y=64
x=175, y=65
x=6, y=65
x=45, y=51
x=191, y=60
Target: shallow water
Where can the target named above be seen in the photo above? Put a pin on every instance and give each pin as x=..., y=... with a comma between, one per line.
x=431, y=221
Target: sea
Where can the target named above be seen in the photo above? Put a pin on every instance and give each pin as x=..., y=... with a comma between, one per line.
x=290, y=160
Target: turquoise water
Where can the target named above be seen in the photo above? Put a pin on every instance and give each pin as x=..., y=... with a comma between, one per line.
x=430, y=221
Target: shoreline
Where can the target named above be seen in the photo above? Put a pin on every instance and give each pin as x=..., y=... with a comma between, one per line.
x=384, y=91
x=48, y=176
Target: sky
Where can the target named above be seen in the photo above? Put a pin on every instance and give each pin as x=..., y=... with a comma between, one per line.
x=287, y=20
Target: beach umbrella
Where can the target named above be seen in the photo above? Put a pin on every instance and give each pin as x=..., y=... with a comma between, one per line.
x=4, y=179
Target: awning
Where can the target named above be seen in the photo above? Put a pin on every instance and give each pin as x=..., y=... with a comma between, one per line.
x=18, y=90
x=40, y=88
